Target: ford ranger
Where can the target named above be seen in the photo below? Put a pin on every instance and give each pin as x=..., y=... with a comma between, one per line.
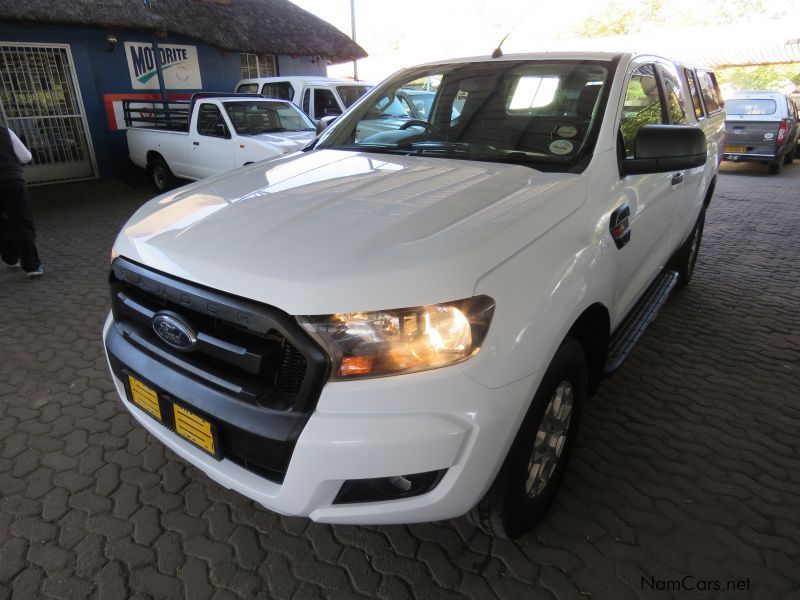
x=405, y=326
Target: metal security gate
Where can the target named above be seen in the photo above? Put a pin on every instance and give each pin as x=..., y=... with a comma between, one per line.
x=41, y=102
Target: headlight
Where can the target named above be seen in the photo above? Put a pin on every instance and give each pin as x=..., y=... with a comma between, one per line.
x=404, y=340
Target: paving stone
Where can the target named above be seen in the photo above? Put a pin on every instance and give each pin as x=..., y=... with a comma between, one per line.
x=687, y=462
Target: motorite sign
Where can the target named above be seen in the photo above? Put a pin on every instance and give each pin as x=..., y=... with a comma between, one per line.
x=179, y=64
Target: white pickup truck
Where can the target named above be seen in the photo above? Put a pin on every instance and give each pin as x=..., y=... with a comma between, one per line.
x=319, y=97
x=405, y=326
x=211, y=135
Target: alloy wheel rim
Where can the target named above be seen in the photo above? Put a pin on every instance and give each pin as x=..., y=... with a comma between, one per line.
x=159, y=177
x=550, y=439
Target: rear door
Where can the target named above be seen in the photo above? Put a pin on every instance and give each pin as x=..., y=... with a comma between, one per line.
x=210, y=148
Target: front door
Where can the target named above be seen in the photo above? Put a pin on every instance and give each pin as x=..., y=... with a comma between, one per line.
x=650, y=200
x=41, y=102
x=210, y=146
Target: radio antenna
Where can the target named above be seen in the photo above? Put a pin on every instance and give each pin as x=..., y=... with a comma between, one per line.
x=498, y=52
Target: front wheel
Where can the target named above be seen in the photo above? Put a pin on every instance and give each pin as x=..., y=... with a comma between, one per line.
x=534, y=467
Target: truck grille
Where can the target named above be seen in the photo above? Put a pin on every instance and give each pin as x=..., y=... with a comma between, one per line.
x=252, y=370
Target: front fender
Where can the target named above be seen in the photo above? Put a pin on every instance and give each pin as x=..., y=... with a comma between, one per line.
x=539, y=298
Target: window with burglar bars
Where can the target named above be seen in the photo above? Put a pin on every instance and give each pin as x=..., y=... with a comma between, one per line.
x=40, y=101
x=254, y=65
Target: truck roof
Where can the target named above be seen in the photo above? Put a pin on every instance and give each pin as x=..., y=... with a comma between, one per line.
x=303, y=79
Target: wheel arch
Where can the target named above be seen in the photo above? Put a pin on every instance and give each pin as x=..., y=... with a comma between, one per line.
x=710, y=192
x=592, y=330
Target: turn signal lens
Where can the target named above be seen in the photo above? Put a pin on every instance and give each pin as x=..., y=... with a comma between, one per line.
x=391, y=342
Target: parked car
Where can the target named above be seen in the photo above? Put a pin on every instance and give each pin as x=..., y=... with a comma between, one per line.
x=213, y=134
x=318, y=96
x=406, y=327
x=762, y=126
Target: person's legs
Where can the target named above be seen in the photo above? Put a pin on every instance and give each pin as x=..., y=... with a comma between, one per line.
x=8, y=246
x=16, y=209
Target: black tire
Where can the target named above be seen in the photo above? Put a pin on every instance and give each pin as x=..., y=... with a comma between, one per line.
x=507, y=510
x=160, y=174
x=685, y=258
x=774, y=168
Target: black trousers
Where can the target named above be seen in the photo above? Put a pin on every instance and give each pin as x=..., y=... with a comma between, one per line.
x=17, y=235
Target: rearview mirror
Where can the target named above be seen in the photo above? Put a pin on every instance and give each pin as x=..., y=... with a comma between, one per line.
x=663, y=148
x=323, y=123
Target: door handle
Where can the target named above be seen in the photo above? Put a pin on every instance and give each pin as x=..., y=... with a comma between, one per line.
x=620, y=225
x=196, y=143
x=676, y=178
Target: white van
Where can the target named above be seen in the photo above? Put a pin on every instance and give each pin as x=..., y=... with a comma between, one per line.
x=318, y=96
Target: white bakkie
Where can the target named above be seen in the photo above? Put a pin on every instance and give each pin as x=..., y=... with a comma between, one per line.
x=405, y=326
x=212, y=135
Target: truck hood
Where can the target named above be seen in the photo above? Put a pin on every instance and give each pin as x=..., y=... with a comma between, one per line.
x=334, y=231
x=282, y=142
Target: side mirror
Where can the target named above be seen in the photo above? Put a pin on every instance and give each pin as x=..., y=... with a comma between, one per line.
x=220, y=130
x=323, y=123
x=663, y=148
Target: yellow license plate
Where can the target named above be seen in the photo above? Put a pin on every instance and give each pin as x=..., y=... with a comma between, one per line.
x=145, y=397
x=195, y=429
x=736, y=149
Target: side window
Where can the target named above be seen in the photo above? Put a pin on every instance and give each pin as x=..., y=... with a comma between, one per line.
x=281, y=90
x=325, y=104
x=247, y=88
x=673, y=91
x=709, y=90
x=691, y=80
x=307, y=102
x=643, y=105
x=210, y=121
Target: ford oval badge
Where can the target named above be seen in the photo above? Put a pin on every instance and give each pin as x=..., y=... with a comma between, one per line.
x=174, y=331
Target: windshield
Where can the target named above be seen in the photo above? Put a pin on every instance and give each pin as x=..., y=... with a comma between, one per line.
x=266, y=116
x=350, y=93
x=751, y=106
x=542, y=113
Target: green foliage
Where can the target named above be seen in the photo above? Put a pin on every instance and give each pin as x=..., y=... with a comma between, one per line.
x=768, y=77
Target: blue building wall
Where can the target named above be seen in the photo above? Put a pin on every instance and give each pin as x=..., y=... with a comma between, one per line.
x=102, y=71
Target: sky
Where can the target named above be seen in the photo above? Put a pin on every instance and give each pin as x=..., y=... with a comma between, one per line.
x=397, y=36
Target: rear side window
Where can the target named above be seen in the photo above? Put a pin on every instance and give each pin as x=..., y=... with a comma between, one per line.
x=694, y=91
x=751, y=106
x=325, y=104
x=709, y=90
x=281, y=90
x=307, y=102
x=674, y=95
x=247, y=88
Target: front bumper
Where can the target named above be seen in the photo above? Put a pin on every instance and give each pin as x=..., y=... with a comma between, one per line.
x=439, y=419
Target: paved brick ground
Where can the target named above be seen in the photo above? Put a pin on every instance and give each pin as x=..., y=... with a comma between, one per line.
x=688, y=463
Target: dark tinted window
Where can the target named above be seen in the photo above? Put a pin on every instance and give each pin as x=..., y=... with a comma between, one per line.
x=691, y=80
x=247, y=88
x=307, y=102
x=210, y=121
x=350, y=93
x=751, y=106
x=643, y=105
x=325, y=104
x=281, y=90
x=674, y=95
x=712, y=97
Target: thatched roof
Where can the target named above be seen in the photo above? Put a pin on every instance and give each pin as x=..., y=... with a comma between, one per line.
x=258, y=26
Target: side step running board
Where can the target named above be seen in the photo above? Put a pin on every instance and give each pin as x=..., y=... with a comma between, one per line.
x=632, y=327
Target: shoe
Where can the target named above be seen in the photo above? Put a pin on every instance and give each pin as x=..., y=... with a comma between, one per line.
x=36, y=273
x=16, y=265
